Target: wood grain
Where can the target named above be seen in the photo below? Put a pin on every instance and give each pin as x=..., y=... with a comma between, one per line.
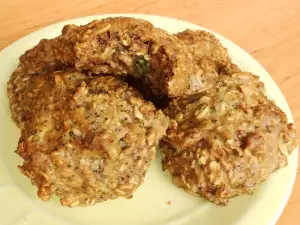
x=269, y=30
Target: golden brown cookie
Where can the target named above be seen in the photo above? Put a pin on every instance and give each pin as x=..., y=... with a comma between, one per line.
x=227, y=140
x=88, y=140
x=122, y=46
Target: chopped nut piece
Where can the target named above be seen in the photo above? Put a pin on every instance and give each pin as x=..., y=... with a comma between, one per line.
x=200, y=113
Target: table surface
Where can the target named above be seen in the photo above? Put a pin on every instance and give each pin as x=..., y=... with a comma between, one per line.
x=268, y=30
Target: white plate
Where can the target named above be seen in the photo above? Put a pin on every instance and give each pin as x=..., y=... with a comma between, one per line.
x=19, y=204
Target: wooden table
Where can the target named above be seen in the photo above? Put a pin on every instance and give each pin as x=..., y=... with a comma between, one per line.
x=268, y=30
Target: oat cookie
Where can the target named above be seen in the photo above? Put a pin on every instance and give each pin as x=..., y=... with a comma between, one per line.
x=89, y=139
x=227, y=140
